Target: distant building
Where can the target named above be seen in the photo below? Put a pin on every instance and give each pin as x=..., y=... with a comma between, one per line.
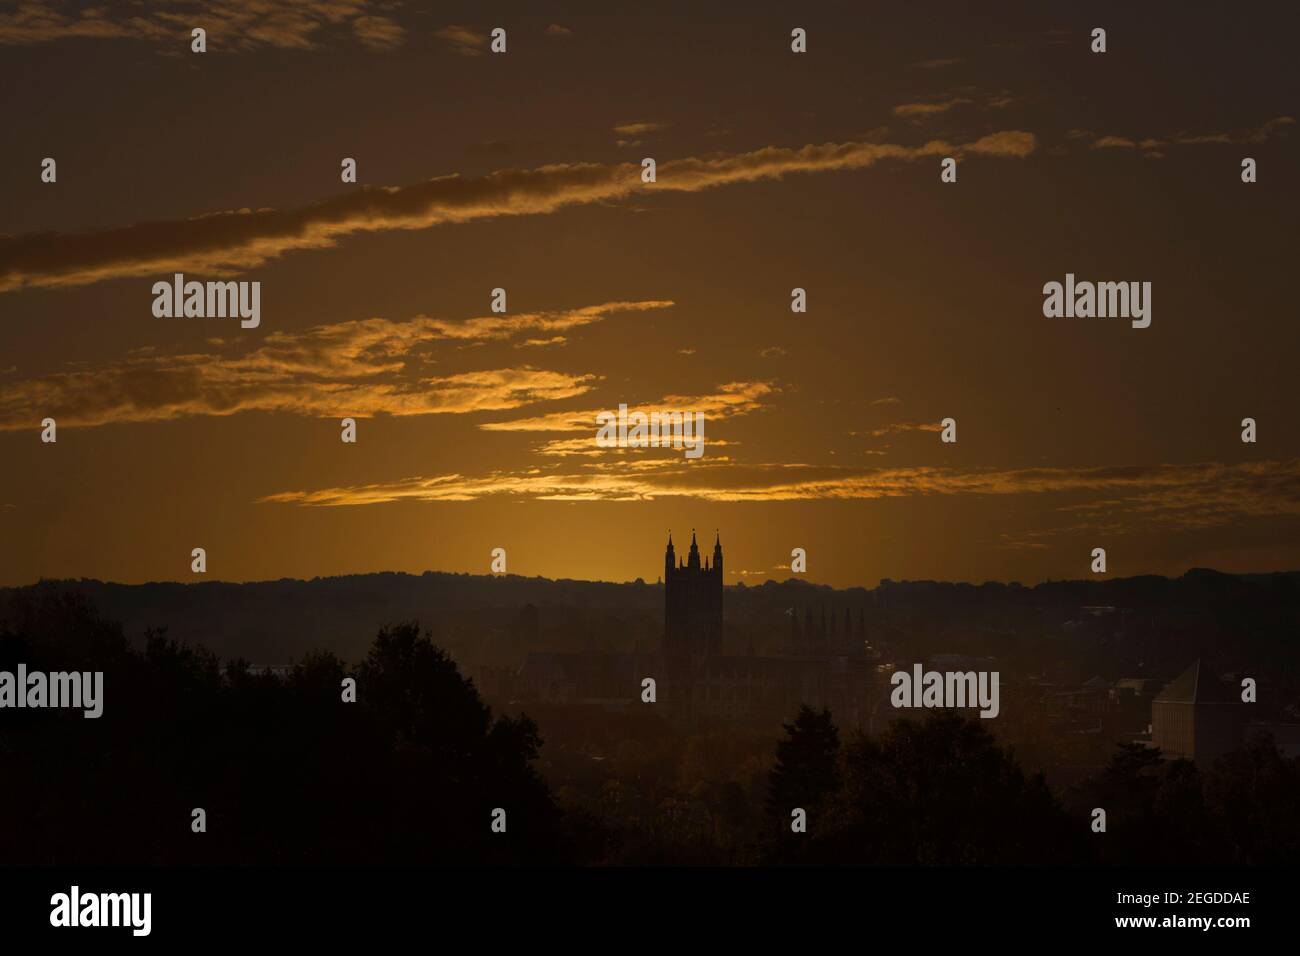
x=1196, y=717
x=825, y=664
x=693, y=602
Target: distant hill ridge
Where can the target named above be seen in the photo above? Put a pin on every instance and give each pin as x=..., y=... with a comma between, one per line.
x=274, y=621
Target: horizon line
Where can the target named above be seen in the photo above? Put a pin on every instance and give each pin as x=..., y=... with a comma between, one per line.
x=641, y=582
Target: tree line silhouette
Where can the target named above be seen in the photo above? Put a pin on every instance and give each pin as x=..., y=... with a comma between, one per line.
x=940, y=790
x=286, y=772
x=411, y=773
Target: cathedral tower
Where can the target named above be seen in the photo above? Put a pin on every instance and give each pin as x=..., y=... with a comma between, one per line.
x=693, y=603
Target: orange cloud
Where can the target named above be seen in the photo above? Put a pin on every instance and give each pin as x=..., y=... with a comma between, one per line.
x=1172, y=496
x=1259, y=134
x=637, y=129
x=928, y=109
x=734, y=398
x=356, y=368
x=462, y=40
x=229, y=242
x=898, y=428
x=1112, y=142
x=628, y=457
x=378, y=33
x=231, y=25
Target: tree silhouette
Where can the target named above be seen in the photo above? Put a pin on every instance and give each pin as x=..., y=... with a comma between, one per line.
x=805, y=776
x=289, y=773
x=1155, y=810
x=806, y=772
x=1253, y=792
x=940, y=791
x=285, y=770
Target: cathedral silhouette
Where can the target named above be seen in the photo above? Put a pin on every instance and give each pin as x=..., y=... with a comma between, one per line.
x=827, y=665
x=692, y=602
x=705, y=675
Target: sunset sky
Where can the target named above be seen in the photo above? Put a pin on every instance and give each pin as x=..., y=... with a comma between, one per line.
x=522, y=171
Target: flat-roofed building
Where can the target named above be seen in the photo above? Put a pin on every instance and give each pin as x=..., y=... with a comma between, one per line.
x=1197, y=717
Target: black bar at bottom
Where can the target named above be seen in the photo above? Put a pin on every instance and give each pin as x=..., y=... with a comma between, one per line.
x=547, y=906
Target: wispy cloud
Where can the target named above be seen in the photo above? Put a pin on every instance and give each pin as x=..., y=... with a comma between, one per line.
x=463, y=40
x=730, y=400
x=1272, y=129
x=917, y=110
x=940, y=104
x=231, y=25
x=898, y=428
x=939, y=63
x=1170, y=496
x=638, y=129
x=378, y=33
x=358, y=368
x=229, y=242
x=1114, y=142
x=629, y=457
